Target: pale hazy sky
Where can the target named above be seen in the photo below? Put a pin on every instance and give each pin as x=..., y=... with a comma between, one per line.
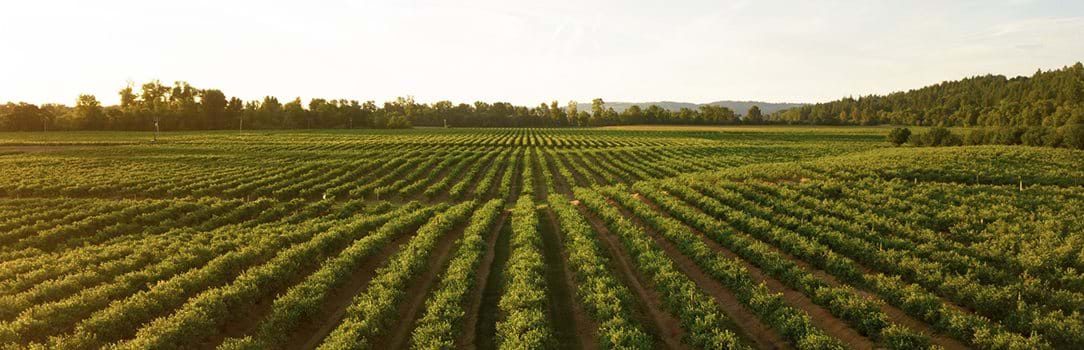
x=527, y=52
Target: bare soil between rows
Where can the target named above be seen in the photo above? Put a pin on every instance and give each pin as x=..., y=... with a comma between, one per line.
x=820, y=316
x=649, y=309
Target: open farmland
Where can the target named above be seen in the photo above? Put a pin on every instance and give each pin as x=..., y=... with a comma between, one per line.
x=770, y=238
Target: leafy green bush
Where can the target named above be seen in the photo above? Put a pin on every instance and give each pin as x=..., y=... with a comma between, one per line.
x=524, y=324
x=899, y=136
x=1073, y=136
x=937, y=137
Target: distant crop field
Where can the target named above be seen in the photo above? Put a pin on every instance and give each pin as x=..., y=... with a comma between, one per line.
x=629, y=237
x=757, y=128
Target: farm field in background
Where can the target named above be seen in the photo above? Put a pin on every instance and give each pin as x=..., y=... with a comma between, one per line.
x=625, y=237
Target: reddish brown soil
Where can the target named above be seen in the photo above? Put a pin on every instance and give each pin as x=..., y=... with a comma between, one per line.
x=560, y=183
x=442, y=196
x=650, y=311
x=820, y=316
x=539, y=183
x=490, y=190
x=310, y=333
x=577, y=176
x=483, y=335
x=895, y=314
x=517, y=180
x=473, y=305
x=746, y=322
x=593, y=171
x=246, y=322
x=574, y=328
x=417, y=291
x=476, y=177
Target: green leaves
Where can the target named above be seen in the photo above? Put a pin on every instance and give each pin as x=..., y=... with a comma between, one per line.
x=439, y=327
x=371, y=311
x=524, y=324
x=606, y=298
x=698, y=313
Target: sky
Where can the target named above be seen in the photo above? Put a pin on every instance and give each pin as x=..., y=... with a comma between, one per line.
x=527, y=52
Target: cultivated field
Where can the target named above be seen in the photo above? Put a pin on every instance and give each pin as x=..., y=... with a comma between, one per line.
x=791, y=238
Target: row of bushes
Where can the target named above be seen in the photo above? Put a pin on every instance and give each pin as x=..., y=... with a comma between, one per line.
x=1004, y=273
x=445, y=309
x=706, y=325
x=372, y=312
x=824, y=242
x=524, y=323
x=527, y=187
x=439, y=187
x=792, y=324
x=608, y=301
x=121, y=319
x=547, y=174
x=59, y=310
x=203, y=314
x=303, y=301
x=482, y=187
x=505, y=188
x=1068, y=136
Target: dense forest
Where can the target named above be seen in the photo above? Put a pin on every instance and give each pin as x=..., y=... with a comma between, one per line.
x=183, y=107
x=1053, y=98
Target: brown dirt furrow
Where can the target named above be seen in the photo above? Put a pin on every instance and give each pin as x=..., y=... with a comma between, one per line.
x=577, y=175
x=560, y=183
x=575, y=159
x=473, y=306
x=517, y=178
x=485, y=329
x=895, y=314
x=866, y=270
x=442, y=196
x=540, y=192
x=573, y=326
x=398, y=337
x=433, y=178
x=649, y=307
x=246, y=322
x=744, y=320
x=820, y=316
x=492, y=189
x=309, y=334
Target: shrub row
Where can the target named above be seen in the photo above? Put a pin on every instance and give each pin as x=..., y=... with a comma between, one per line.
x=700, y=316
x=524, y=323
x=371, y=312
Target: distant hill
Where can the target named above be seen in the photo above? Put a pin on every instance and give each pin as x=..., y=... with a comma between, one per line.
x=739, y=107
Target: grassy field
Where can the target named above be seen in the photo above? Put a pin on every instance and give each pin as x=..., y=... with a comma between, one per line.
x=632, y=237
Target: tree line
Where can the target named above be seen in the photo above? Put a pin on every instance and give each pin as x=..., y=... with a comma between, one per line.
x=1067, y=136
x=183, y=107
x=1052, y=99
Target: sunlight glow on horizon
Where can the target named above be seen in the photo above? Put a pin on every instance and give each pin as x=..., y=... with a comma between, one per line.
x=528, y=52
